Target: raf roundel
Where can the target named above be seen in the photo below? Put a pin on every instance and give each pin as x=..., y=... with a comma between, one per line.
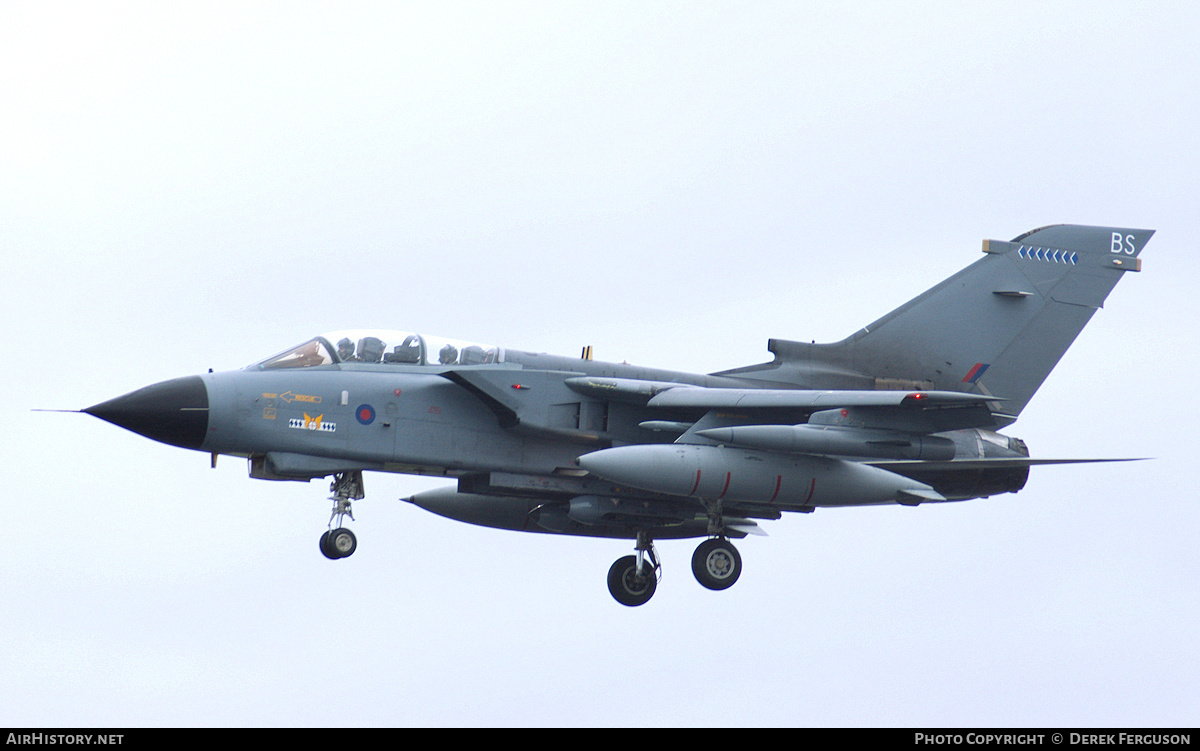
x=365, y=414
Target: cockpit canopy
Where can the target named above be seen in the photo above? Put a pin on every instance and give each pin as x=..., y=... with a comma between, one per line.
x=383, y=347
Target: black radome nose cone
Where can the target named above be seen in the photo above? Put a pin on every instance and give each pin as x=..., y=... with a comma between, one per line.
x=174, y=412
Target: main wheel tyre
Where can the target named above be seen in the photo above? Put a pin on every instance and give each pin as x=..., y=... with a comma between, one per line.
x=342, y=542
x=626, y=586
x=326, y=550
x=716, y=564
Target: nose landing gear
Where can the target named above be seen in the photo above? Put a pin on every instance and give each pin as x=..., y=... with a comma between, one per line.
x=339, y=542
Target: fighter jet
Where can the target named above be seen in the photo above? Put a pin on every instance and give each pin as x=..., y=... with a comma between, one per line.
x=907, y=410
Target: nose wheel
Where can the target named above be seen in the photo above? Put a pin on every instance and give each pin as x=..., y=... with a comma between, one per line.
x=340, y=542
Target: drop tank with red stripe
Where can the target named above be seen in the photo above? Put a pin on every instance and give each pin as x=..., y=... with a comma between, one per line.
x=724, y=473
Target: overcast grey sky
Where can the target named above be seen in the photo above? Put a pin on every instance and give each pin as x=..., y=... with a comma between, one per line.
x=186, y=186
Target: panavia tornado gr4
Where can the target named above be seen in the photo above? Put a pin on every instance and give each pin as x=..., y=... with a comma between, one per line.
x=905, y=410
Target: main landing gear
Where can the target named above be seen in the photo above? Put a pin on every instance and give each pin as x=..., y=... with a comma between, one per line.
x=633, y=579
x=716, y=563
x=339, y=542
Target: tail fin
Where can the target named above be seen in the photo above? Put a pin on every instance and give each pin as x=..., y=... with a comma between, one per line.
x=999, y=326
